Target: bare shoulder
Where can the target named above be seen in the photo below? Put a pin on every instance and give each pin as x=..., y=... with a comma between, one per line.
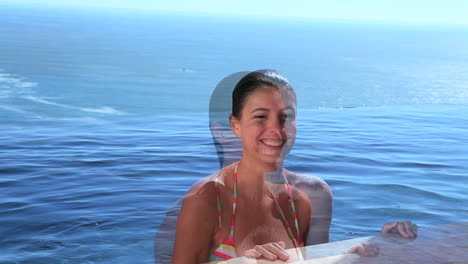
x=309, y=183
x=318, y=195
x=196, y=223
x=202, y=192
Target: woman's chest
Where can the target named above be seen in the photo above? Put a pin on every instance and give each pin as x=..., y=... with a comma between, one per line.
x=248, y=237
x=259, y=227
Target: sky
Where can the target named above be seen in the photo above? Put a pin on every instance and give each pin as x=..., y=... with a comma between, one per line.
x=418, y=11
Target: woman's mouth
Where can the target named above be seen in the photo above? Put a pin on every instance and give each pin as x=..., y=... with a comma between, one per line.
x=272, y=143
x=271, y=147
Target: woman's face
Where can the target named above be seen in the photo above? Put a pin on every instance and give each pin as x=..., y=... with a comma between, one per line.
x=267, y=125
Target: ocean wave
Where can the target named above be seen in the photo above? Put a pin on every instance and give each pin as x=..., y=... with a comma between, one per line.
x=415, y=191
x=101, y=110
x=13, y=109
x=11, y=85
x=19, y=111
x=11, y=80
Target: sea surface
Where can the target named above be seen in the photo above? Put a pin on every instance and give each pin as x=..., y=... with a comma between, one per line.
x=104, y=123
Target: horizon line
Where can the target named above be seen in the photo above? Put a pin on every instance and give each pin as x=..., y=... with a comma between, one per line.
x=241, y=16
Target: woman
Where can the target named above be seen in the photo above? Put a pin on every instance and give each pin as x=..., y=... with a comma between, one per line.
x=254, y=207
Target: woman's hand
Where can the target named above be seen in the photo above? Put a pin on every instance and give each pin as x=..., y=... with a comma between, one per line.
x=271, y=251
x=365, y=249
x=406, y=229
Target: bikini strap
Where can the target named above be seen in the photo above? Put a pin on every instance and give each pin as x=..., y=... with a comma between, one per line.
x=293, y=207
x=218, y=208
x=298, y=238
x=234, y=205
x=234, y=201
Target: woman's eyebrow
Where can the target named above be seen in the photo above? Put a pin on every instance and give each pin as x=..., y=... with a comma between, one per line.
x=260, y=109
x=266, y=109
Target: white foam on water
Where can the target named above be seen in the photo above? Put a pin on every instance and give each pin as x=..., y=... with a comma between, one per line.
x=13, y=109
x=38, y=100
x=19, y=110
x=6, y=78
x=12, y=86
x=101, y=110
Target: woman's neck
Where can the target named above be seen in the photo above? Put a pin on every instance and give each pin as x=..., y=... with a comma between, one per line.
x=254, y=179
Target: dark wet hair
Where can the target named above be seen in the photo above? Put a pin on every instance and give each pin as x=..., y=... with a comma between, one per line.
x=253, y=81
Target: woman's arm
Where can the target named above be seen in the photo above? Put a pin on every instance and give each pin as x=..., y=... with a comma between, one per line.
x=195, y=228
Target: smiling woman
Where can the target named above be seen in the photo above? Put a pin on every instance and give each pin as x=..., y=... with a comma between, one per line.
x=254, y=207
x=262, y=194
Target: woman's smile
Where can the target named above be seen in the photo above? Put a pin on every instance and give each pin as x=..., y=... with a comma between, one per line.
x=271, y=147
x=272, y=143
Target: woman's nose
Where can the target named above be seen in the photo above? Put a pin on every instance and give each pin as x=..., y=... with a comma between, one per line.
x=276, y=125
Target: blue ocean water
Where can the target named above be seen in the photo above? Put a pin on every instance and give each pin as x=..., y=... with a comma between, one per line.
x=103, y=122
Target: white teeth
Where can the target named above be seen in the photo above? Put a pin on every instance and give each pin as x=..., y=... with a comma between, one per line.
x=272, y=143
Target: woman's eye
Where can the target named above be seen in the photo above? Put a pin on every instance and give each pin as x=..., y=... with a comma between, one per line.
x=288, y=116
x=260, y=116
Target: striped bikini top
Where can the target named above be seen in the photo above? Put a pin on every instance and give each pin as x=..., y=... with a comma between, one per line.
x=226, y=249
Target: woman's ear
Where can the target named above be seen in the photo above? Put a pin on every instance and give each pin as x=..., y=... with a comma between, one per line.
x=235, y=125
